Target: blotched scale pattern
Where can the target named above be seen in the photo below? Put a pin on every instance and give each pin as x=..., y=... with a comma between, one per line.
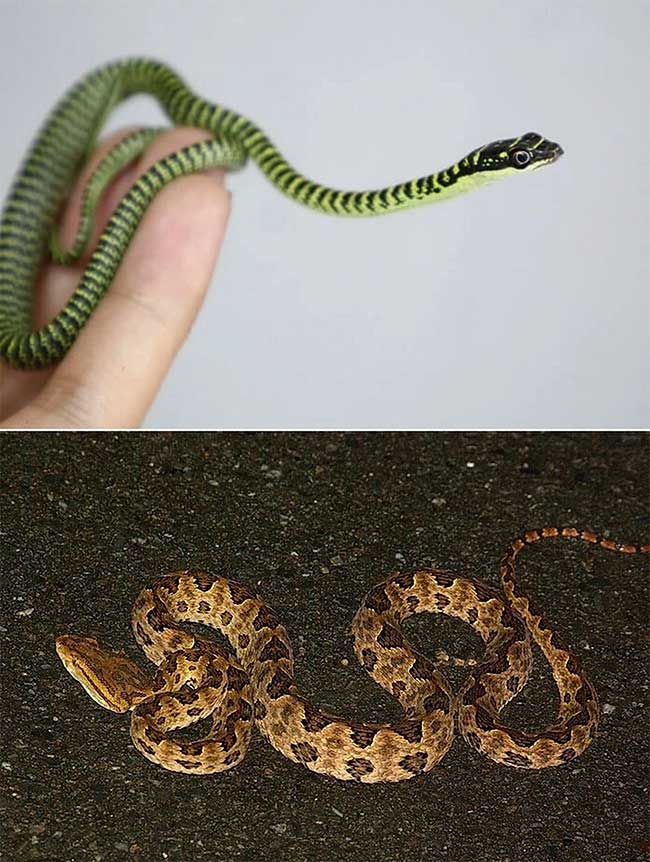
x=255, y=684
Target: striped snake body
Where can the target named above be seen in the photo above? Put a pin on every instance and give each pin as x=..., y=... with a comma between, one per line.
x=29, y=219
x=197, y=678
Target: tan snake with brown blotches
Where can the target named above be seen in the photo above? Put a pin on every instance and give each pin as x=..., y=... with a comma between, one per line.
x=197, y=678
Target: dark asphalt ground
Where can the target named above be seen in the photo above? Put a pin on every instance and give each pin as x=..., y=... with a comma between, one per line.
x=313, y=521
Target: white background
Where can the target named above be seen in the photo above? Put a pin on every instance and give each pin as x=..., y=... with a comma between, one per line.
x=524, y=305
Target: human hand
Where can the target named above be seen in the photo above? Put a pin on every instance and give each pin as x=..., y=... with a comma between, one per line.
x=114, y=369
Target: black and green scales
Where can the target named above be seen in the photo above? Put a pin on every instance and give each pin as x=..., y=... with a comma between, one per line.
x=28, y=226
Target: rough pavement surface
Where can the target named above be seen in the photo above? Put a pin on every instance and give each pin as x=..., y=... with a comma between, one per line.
x=312, y=521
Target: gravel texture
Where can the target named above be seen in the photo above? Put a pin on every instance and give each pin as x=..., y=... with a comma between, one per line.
x=312, y=521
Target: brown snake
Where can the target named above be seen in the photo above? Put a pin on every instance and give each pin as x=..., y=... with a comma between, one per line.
x=197, y=678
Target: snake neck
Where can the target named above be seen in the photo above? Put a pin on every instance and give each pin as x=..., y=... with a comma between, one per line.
x=440, y=186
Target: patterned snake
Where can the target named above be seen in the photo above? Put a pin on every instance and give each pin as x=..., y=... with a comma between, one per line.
x=197, y=679
x=29, y=220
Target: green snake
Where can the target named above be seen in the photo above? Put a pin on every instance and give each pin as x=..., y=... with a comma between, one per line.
x=28, y=225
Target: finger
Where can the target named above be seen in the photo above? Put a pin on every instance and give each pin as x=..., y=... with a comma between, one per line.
x=55, y=283
x=113, y=371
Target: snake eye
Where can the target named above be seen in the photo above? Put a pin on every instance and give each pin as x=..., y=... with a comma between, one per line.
x=521, y=158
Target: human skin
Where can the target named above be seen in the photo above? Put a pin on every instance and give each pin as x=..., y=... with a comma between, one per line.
x=113, y=371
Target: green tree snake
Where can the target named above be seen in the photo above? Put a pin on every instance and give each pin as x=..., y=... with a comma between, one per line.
x=28, y=225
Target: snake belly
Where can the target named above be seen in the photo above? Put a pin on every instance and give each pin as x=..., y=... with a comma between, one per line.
x=28, y=223
x=254, y=683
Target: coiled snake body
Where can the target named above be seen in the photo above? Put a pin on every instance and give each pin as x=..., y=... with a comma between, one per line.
x=197, y=678
x=69, y=135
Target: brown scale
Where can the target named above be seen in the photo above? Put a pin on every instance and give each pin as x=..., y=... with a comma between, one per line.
x=196, y=678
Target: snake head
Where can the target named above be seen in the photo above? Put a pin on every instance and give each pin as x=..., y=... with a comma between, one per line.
x=524, y=153
x=112, y=680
